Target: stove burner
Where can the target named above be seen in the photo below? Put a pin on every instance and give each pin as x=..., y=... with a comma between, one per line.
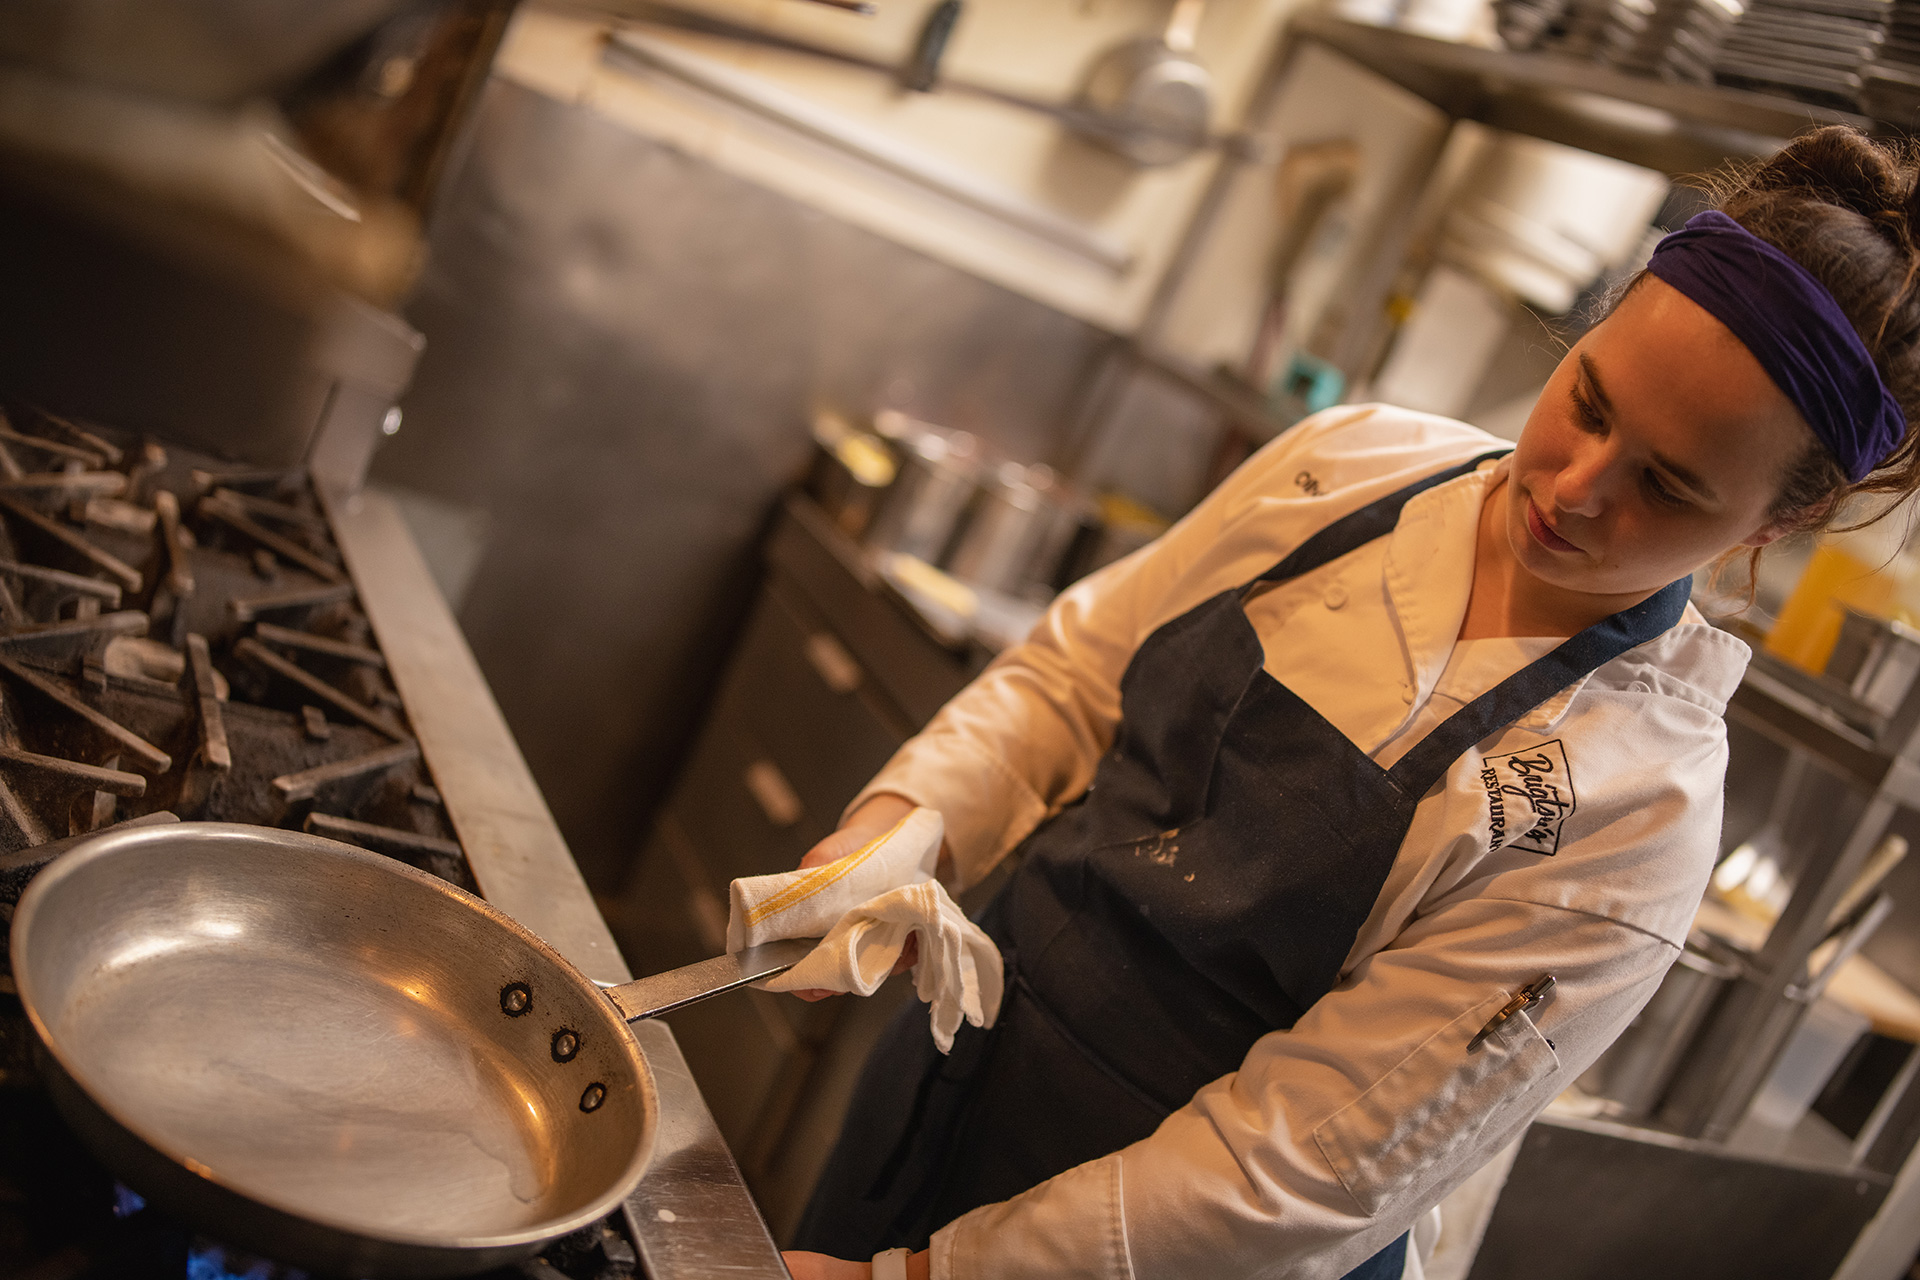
x=217, y=1262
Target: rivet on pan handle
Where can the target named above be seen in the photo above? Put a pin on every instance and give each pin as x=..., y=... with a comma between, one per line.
x=677, y=988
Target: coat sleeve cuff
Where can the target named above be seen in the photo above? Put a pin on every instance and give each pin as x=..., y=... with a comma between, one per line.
x=986, y=808
x=1047, y=1233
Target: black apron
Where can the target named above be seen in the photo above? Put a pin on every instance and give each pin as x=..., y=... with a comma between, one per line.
x=1203, y=893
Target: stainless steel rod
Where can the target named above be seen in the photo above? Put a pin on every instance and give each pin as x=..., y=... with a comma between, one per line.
x=630, y=49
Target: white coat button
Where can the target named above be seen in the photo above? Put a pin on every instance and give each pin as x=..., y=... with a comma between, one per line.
x=1336, y=596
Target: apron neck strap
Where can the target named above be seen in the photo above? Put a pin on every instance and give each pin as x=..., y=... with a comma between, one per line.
x=1351, y=532
x=1576, y=657
x=1519, y=693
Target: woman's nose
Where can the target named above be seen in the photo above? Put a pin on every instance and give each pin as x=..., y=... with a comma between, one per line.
x=1583, y=485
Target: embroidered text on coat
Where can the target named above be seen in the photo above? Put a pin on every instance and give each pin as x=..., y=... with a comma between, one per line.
x=1529, y=797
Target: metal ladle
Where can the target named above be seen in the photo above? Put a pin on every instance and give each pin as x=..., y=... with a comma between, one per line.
x=1153, y=98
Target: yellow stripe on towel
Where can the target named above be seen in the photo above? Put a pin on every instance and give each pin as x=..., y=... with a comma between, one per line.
x=819, y=879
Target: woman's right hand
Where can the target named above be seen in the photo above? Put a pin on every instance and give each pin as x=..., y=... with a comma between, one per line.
x=876, y=816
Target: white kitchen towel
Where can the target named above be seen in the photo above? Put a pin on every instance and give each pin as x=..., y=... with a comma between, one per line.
x=868, y=904
x=805, y=904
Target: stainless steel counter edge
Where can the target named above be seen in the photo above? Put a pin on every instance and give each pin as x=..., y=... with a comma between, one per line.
x=692, y=1214
x=518, y=856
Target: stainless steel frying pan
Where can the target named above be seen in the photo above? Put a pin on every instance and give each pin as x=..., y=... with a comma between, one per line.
x=333, y=1058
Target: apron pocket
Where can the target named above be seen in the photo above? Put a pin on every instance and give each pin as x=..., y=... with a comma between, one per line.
x=1437, y=1099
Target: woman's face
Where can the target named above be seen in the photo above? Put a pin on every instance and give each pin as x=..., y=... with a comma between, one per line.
x=1658, y=444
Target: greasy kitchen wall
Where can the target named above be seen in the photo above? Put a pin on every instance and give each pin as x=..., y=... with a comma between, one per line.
x=624, y=346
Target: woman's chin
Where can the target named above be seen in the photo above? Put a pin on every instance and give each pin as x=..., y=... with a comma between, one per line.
x=1561, y=571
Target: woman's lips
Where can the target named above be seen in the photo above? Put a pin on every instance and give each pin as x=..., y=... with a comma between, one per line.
x=1543, y=532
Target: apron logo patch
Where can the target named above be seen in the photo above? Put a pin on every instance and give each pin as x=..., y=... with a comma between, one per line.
x=1529, y=796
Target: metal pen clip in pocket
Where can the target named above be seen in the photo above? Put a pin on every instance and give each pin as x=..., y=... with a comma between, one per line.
x=1525, y=998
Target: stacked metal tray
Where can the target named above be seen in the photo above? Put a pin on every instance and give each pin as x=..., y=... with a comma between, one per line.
x=1892, y=89
x=1821, y=49
x=1859, y=55
x=1672, y=39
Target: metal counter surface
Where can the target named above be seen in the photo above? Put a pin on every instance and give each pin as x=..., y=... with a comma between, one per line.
x=692, y=1214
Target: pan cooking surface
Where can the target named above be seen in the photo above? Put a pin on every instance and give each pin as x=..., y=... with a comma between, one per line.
x=324, y=1031
x=359, y=1102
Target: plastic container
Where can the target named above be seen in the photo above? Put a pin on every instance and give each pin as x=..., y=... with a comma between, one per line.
x=1866, y=570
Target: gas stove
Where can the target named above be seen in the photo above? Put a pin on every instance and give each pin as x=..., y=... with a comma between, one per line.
x=183, y=638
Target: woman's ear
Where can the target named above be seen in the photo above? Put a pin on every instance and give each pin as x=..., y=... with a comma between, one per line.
x=1772, y=531
x=1808, y=518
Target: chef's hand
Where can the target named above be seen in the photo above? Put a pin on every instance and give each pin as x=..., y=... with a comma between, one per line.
x=818, y=1266
x=873, y=819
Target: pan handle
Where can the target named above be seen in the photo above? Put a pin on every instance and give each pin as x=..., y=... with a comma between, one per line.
x=676, y=988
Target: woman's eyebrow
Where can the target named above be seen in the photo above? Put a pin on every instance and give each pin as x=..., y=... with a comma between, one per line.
x=1604, y=405
x=1685, y=475
x=1701, y=489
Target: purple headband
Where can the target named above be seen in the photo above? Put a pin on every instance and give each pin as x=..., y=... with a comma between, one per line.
x=1794, y=328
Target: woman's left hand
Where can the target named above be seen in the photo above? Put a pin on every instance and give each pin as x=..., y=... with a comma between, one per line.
x=818, y=1266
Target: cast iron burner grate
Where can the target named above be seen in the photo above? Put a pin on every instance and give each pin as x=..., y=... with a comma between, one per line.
x=178, y=635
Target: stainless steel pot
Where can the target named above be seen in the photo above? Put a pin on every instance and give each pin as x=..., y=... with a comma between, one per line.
x=938, y=475
x=849, y=475
x=333, y=1058
x=1021, y=526
x=1877, y=659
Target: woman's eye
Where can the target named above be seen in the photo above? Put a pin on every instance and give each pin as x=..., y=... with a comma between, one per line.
x=1584, y=412
x=1660, y=492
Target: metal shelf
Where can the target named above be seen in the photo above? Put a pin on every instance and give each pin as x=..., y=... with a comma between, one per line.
x=1673, y=127
x=1857, y=768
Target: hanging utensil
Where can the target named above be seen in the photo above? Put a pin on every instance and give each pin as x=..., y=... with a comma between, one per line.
x=1155, y=98
x=1312, y=179
x=922, y=71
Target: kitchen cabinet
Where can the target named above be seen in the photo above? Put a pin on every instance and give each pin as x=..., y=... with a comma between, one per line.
x=830, y=675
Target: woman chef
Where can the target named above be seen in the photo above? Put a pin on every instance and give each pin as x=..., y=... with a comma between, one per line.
x=1312, y=793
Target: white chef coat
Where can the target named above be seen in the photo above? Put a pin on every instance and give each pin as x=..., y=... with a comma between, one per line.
x=1576, y=842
